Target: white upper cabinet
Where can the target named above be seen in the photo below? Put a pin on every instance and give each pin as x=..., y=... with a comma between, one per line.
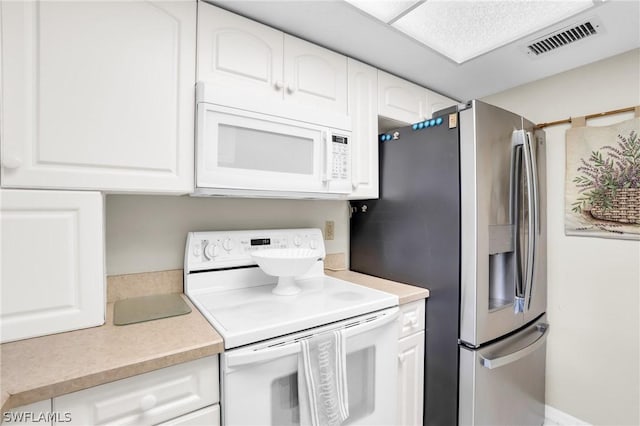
x=240, y=59
x=363, y=110
x=52, y=257
x=406, y=102
x=400, y=100
x=436, y=102
x=314, y=77
x=251, y=66
x=98, y=95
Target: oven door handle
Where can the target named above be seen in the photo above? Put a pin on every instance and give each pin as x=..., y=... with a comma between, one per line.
x=263, y=355
x=239, y=358
x=391, y=316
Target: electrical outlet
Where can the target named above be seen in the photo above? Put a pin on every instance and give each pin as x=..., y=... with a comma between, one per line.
x=329, y=230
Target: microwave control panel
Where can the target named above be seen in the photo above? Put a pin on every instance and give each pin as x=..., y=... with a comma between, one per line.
x=340, y=155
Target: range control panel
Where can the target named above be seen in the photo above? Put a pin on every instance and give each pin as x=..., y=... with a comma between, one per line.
x=226, y=249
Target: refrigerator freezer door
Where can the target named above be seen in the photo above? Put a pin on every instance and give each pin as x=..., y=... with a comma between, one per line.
x=503, y=383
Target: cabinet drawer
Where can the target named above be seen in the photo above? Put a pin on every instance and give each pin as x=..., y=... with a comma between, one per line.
x=209, y=416
x=146, y=399
x=412, y=318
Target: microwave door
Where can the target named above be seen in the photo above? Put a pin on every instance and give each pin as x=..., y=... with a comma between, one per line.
x=241, y=150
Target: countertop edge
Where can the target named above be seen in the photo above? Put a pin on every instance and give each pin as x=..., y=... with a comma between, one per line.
x=406, y=293
x=107, y=376
x=15, y=397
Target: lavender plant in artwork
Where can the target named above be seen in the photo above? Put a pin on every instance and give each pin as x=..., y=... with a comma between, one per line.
x=602, y=176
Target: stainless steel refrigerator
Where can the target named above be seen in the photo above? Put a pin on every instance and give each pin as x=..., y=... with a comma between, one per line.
x=462, y=213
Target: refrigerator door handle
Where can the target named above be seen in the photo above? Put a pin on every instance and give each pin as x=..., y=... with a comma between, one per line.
x=534, y=214
x=500, y=361
x=523, y=294
x=516, y=176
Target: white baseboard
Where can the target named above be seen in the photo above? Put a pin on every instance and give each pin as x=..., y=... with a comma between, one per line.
x=555, y=417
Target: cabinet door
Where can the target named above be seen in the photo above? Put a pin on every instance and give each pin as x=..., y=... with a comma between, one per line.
x=363, y=110
x=435, y=102
x=400, y=100
x=411, y=380
x=52, y=262
x=240, y=59
x=98, y=95
x=314, y=77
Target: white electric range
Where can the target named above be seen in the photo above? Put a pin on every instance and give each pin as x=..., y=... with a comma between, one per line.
x=262, y=331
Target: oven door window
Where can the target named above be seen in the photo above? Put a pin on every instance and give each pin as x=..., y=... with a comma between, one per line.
x=285, y=409
x=269, y=386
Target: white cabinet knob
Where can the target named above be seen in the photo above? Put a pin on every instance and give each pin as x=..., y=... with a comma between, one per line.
x=290, y=89
x=147, y=402
x=278, y=85
x=401, y=358
x=11, y=161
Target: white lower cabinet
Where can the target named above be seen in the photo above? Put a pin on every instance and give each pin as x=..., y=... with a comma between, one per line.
x=36, y=414
x=411, y=364
x=52, y=256
x=172, y=395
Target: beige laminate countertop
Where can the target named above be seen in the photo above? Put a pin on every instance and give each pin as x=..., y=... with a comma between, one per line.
x=36, y=369
x=405, y=292
x=45, y=367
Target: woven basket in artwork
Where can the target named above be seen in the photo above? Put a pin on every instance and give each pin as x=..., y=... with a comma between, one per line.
x=625, y=207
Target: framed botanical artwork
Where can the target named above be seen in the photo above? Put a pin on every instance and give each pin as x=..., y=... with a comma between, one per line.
x=602, y=185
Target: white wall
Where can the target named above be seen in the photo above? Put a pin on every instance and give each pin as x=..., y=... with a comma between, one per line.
x=148, y=233
x=594, y=300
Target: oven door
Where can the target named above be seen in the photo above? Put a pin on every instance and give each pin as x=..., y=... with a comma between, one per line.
x=260, y=382
x=242, y=150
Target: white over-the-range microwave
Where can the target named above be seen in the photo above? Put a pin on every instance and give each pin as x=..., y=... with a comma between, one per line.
x=253, y=154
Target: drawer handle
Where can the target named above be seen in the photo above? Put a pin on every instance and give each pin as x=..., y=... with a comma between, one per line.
x=147, y=402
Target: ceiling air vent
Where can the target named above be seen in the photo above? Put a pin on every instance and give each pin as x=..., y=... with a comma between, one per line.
x=563, y=37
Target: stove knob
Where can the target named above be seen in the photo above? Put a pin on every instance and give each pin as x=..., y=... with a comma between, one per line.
x=313, y=244
x=227, y=244
x=297, y=241
x=211, y=251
